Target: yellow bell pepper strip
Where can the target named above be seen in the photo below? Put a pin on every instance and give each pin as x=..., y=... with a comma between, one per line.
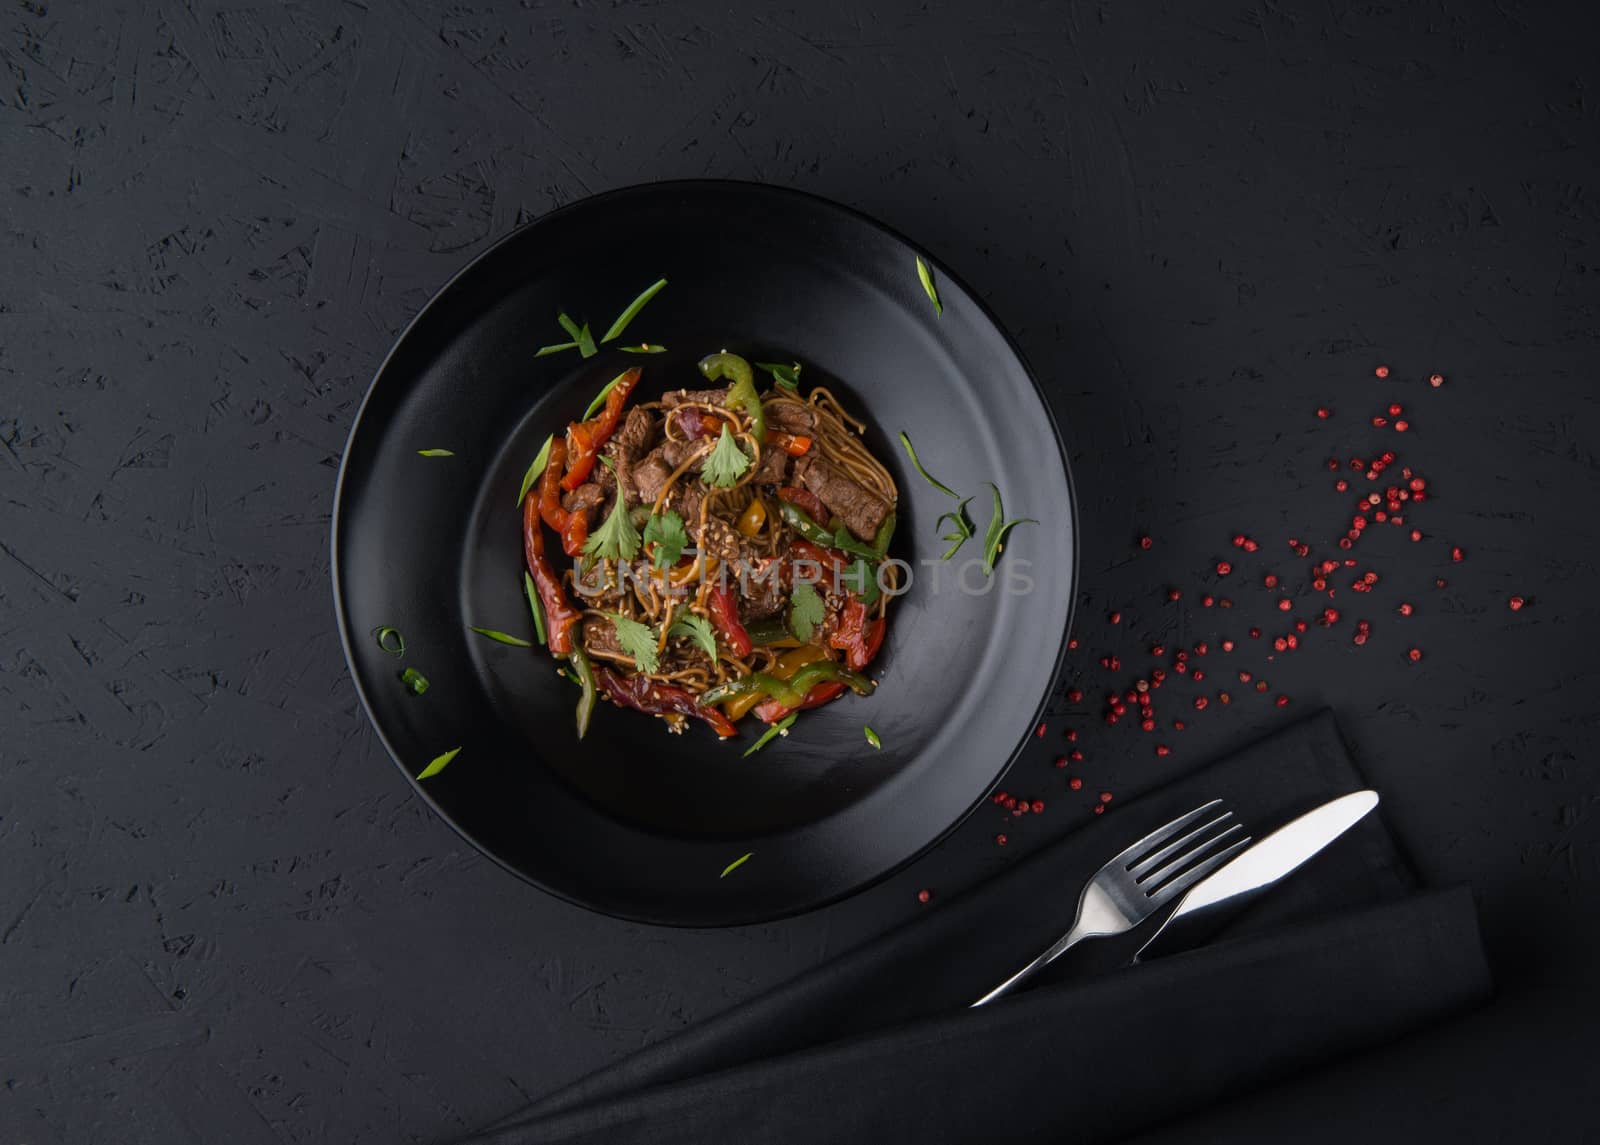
x=751, y=520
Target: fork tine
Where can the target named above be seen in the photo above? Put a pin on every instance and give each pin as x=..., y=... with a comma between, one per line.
x=1195, y=873
x=1131, y=855
x=1193, y=855
x=1146, y=865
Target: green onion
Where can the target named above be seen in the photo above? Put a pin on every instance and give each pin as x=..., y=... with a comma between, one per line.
x=963, y=528
x=995, y=534
x=540, y=460
x=501, y=637
x=440, y=762
x=535, y=607
x=600, y=398
x=872, y=736
x=735, y=865
x=926, y=276
x=643, y=348
x=780, y=728
x=569, y=325
x=415, y=680
x=584, y=671
x=398, y=645
x=554, y=348
x=586, y=345
x=926, y=476
x=435, y=453
x=786, y=376
x=632, y=312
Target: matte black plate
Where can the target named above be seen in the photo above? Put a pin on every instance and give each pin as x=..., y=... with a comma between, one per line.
x=633, y=821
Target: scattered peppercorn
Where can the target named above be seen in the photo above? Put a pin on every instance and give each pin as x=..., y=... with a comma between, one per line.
x=1436, y=380
x=1075, y=783
x=1405, y=610
x=1382, y=371
x=1516, y=603
x=1415, y=654
x=924, y=895
x=1282, y=701
x=1162, y=749
x=1000, y=839
x=1145, y=542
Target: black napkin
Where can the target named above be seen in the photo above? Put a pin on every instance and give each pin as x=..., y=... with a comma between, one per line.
x=877, y=1044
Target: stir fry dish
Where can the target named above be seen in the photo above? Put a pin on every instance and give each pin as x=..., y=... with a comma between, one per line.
x=727, y=549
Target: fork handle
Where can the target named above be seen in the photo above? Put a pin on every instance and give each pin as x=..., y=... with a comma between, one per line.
x=1066, y=942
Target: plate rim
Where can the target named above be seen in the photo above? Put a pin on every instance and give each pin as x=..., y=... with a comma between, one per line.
x=816, y=201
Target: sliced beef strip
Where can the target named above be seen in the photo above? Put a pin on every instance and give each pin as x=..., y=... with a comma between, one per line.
x=675, y=453
x=719, y=538
x=650, y=474
x=791, y=417
x=710, y=397
x=861, y=509
x=600, y=635
x=774, y=466
x=586, y=498
x=632, y=440
x=762, y=596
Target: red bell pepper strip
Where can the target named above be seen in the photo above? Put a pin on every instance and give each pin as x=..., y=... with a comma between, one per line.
x=804, y=500
x=572, y=528
x=771, y=711
x=586, y=437
x=857, y=637
x=646, y=695
x=560, y=616
x=795, y=445
x=725, y=615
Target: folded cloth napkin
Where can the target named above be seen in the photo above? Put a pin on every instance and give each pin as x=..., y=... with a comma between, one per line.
x=878, y=1045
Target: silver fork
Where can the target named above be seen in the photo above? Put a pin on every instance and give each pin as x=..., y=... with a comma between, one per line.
x=1141, y=880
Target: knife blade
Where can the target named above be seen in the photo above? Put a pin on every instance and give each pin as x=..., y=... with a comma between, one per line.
x=1210, y=902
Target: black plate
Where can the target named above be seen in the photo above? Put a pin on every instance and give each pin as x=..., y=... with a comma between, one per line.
x=636, y=822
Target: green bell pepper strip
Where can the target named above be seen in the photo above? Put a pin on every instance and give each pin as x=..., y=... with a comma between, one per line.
x=790, y=693
x=763, y=682
x=798, y=520
x=768, y=632
x=585, y=673
x=742, y=392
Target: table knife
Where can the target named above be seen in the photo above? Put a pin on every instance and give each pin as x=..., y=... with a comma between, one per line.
x=1211, y=902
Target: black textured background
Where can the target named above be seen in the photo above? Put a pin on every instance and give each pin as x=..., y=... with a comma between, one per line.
x=222, y=917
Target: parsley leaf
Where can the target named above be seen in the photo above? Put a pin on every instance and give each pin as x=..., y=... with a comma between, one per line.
x=637, y=641
x=666, y=532
x=727, y=462
x=617, y=538
x=805, y=611
x=698, y=629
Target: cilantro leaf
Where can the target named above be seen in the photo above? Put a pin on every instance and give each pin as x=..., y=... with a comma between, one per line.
x=617, y=538
x=805, y=611
x=727, y=462
x=698, y=629
x=637, y=641
x=861, y=578
x=666, y=532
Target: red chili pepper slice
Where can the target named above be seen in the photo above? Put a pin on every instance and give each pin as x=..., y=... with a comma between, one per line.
x=725, y=615
x=560, y=616
x=587, y=437
x=804, y=500
x=646, y=695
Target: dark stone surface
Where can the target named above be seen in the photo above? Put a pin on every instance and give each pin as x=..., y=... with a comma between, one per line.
x=222, y=917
